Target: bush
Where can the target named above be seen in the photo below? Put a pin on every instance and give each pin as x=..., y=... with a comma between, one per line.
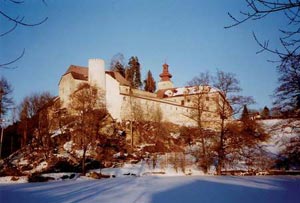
x=93, y=164
x=64, y=166
x=38, y=178
x=65, y=177
x=97, y=175
x=72, y=176
x=11, y=171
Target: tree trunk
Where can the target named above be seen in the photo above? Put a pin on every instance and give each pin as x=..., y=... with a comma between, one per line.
x=205, y=165
x=83, y=161
x=221, y=149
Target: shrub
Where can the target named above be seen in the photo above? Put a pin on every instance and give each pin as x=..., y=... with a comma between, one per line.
x=33, y=178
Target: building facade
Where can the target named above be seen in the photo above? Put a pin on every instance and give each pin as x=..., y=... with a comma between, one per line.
x=169, y=104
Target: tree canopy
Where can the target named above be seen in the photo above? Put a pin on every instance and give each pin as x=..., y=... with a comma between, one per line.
x=149, y=83
x=133, y=72
x=6, y=100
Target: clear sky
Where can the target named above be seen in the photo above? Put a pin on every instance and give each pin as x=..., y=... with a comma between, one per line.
x=188, y=34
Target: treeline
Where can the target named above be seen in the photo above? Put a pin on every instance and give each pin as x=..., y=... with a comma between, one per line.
x=132, y=72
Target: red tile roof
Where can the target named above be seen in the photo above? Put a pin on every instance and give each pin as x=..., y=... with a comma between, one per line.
x=78, y=72
x=81, y=73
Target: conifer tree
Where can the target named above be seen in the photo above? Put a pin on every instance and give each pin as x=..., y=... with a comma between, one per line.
x=133, y=72
x=245, y=113
x=6, y=100
x=149, y=82
x=265, y=113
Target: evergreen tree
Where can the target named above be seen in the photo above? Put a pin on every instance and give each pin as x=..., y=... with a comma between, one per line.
x=6, y=100
x=149, y=82
x=133, y=72
x=245, y=114
x=265, y=113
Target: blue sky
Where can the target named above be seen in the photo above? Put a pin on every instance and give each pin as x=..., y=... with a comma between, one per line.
x=188, y=34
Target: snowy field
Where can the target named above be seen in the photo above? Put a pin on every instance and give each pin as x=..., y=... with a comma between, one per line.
x=157, y=189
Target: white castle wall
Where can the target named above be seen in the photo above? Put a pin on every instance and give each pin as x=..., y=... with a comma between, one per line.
x=171, y=109
x=113, y=98
x=67, y=86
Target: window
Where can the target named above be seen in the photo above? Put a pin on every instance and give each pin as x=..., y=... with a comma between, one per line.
x=207, y=98
x=124, y=98
x=182, y=102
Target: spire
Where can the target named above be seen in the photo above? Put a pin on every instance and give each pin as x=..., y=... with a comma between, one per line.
x=165, y=75
x=165, y=78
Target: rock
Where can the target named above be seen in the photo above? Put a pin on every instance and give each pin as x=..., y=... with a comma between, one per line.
x=14, y=178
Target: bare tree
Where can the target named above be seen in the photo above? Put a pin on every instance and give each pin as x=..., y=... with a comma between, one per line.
x=117, y=64
x=242, y=139
x=16, y=21
x=228, y=104
x=287, y=94
x=199, y=105
x=88, y=110
x=29, y=114
x=259, y=9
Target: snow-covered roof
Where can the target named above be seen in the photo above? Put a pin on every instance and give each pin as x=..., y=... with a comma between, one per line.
x=183, y=91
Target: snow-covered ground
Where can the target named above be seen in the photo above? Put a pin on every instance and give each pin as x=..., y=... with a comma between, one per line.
x=157, y=189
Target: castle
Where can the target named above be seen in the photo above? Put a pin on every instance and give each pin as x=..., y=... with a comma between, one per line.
x=168, y=104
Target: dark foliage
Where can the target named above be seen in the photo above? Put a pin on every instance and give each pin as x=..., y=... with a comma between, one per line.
x=64, y=166
x=149, y=83
x=245, y=113
x=133, y=72
x=265, y=113
x=12, y=140
x=38, y=178
x=289, y=158
x=6, y=100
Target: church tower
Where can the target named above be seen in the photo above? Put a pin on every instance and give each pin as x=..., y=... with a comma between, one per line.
x=165, y=78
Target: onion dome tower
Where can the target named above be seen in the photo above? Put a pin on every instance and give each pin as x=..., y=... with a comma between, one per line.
x=165, y=78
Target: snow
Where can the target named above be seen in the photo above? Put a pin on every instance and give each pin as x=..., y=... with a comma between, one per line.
x=68, y=146
x=8, y=180
x=23, y=161
x=154, y=189
x=56, y=133
x=190, y=90
x=40, y=167
x=175, y=135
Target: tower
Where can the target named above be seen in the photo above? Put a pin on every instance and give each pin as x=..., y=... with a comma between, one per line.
x=96, y=75
x=165, y=78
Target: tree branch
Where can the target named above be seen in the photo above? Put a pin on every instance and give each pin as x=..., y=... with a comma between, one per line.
x=5, y=65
